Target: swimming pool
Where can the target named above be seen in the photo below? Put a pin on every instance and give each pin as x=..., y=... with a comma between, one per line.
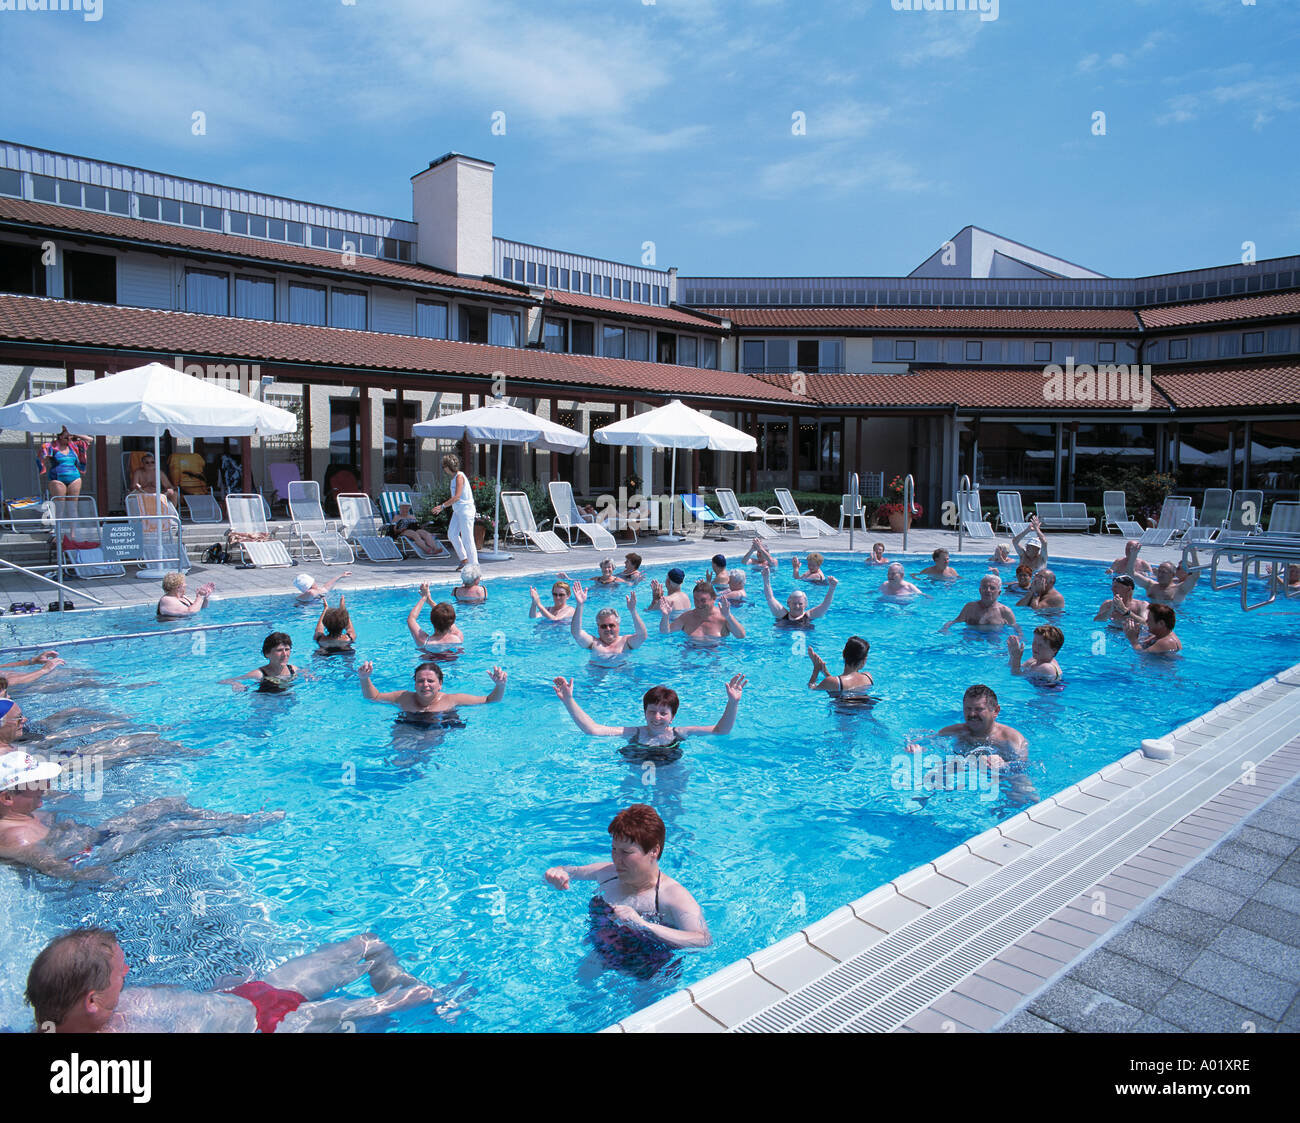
x=439, y=843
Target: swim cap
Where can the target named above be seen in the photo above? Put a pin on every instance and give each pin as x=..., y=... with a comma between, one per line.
x=676, y=575
x=1123, y=579
x=303, y=582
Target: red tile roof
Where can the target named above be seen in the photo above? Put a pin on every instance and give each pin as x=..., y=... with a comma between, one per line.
x=1231, y=387
x=601, y=305
x=51, y=217
x=1222, y=311
x=72, y=324
x=950, y=319
x=944, y=388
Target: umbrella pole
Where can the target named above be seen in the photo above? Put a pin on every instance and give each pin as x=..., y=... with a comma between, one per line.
x=672, y=503
x=496, y=554
x=153, y=568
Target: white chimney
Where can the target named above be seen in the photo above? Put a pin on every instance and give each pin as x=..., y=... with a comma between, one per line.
x=451, y=202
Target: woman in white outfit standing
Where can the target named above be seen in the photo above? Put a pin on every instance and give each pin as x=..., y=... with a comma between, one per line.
x=461, y=502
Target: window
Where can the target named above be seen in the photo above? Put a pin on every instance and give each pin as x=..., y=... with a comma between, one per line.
x=345, y=431
x=564, y=279
x=473, y=325
x=626, y=289
x=348, y=309
x=638, y=344
x=334, y=239
x=666, y=347
x=1177, y=349
x=43, y=189
x=254, y=298
x=553, y=272
x=1042, y=352
x=319, y=237
x=1279, y=340
x=90, y=276
x=504, y=329
x=974, y=351
x=1252, y=343
x=586, y=282
x=904, y=348
x=430, y=319
x=307, y=304
x=11, y=182
x=507, y=267
x=582, y=338
x=397, y=429
x=239, y=222
x=257, y=225
x=1105, y=352
x=207, y=292
x=555, y=335
x=170, y=210
x=293, y=231
x=21, y=270
x=275, y=229
x=687, y=351
x=831, y=357
x=614, y=343
x=709, y=354
x=753, y=356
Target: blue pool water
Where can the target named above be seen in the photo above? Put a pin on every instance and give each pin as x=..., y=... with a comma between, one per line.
x=438, y=841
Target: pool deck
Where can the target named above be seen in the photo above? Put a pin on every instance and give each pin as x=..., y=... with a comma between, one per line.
x=1155, y=895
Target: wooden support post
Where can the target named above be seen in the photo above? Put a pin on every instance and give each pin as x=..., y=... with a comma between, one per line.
x=399, y=467
x=308, y=468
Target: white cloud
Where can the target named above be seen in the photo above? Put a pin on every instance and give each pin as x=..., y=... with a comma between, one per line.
x=837, y=170
x=1262, y=99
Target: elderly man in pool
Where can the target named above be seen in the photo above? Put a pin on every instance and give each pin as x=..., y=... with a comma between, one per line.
x=986, y=613
x=608, y=647
x=707, y=622
x=78, y=985
x=633, y=892
x=428, y=696
x=1171, y=583
x=982, y=731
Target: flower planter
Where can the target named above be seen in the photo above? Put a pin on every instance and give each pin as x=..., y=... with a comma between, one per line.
x=480, y=535
x=896, y=522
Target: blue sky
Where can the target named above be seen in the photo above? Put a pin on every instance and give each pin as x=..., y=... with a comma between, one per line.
x=673, y=121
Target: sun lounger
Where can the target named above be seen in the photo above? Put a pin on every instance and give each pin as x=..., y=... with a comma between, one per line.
x=361, y=527
x=1247, y=512
x=523, y=526
x=309, y=522
x=77, y=521
x=1011, y=512
x=571, y=520
x=249, y=531
x=972, y=515
x=1114, y=506
x=809, y=525
x=699, y=511
x=751, y=520
x=203, y=508
x=390, y=503
x=1175, y=513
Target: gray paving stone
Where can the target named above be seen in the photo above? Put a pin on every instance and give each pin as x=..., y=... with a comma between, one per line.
x=1262, y=952
x=1155, y=949
x=1025, y=1022
x=1174, y=919
x=1247, y=986
x=1288, y=873
x=1123, y=978
x=1082, y=1009
x=1202, y=898
x=1152, y=1024
x=1278, y=818
x=1291, y=1019
x=1280, y=895
x=1191, y=1008
x=1232, y=878
x=1245, y=857
x=1271, y=921
x=1263, y=838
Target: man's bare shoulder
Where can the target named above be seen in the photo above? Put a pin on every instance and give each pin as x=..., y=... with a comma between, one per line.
x=172, y=1009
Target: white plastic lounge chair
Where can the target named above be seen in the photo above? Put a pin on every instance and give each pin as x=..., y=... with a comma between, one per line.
x=1247, y=512
x=424, y=480
x=1212, y=518
x=361, y=527
x=750, y=520
x=853, y=514
x=161, y=539
x=809, y=525
x=309, y=522
x=972, y=516
x=282, y=476
x=1064, y=516
x=390, y=503
x=249, y=531
x=203, y=508
x=523, y=527
x=1011, y=512
x=1114, y=505
x=1174, y=515
x=78, y=521
x=703, y=516
x=571, y=520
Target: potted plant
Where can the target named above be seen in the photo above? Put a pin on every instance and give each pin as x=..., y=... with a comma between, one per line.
x=484, y=528
x=892, y=511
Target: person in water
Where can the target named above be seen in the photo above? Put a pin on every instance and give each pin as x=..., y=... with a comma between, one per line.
x=174, y=604
x=1024, y=579
x=631, y=574
x=78, y=985
x=607, y=646
x=428, y=696
x=877, y=554
x=442, y=619
x=1042, y=666
x=671, y=591
x=59, y=848
x=470, y=590
x=334, y=630
x=814, y=574
x=734, y=594
x=982, y=730
x=986, y=613
x=634, y=894
x=758, y=554
x=1122, y=605
x=895, y=586
x=796, y=613
x=717, y=576
x=279, y=673
x=660, y=709
x=940, y=569
x=853, y=681
x=1043, y=594
x=47, y=661
x=309, y=589
x=1171, y=583
x=561, y=611
x=710, y=619
x=1034, y=552
x=1001, y=556
x=11, y=715
x=1160, y=638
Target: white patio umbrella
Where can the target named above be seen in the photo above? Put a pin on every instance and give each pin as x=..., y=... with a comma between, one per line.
x=143, y=402
x=502, y=424
x=675, y=426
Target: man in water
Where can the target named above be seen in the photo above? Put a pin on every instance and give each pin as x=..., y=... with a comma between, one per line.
x=608, y=648
x=982, y=730
x=877, y=554
x=1160, y=638
x=1043, y=593
x=1032, y=553
x=175, y=604
x=446, y=637
x=78, y=985
x=1171, y=584
x=710, y=619
x=895, y=586
x=940, y=569
x=30, y=838
x=796, y=613
x=986, y=613
x=1122, y=605
x=670, y=591
x=428, y=697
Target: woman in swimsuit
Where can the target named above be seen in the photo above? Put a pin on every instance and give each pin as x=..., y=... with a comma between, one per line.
x=660, y=708
x=334, y=630
x=278, y=673
x=635, y=894
x=560, y=612
x=65, y=460
x=470, y=590
x=853, y=681
x=446, y=638
x=796, y=614
x=174, y=603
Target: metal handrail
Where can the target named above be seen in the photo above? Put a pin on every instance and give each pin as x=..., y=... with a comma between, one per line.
x=49, y=581
x=159, y=519
x=963, y=490
x=909, y=487
x=855, y=505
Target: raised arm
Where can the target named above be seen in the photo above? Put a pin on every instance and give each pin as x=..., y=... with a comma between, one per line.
x=1037, y=528
x=584, y=639
x=368, y=691
x=564, y=691
x=728, y=719
x=538, y=608
x=498, y=677
x=319, y=633
x=413, y=617
x=1016, y=651
x=640, y=635
x=560, y=876
x=819, y=669
x=734, y=626
x=772, y=602
x=820, y=610
x=1131, y=550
